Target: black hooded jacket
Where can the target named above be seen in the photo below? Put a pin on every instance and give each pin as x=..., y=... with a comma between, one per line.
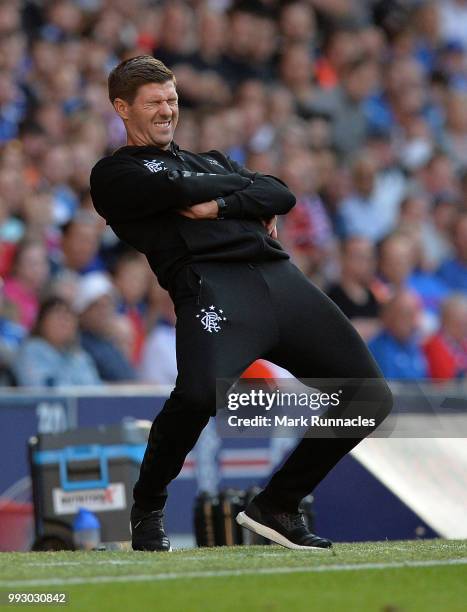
x=139, y=189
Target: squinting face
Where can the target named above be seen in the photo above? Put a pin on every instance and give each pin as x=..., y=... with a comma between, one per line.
x=153, y=116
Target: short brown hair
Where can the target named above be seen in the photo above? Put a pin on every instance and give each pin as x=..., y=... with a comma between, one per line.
x=126, y=78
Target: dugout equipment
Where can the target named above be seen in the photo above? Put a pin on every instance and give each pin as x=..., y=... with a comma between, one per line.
x=92, y=468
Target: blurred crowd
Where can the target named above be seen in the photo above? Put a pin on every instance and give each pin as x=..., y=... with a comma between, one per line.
x=360, y=106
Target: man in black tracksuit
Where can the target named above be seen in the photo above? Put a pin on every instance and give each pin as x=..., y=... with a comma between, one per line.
x=206, y=225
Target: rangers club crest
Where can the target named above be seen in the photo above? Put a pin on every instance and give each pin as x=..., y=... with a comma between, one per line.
x=211, y=318
x=154, y=166
x=214, y=162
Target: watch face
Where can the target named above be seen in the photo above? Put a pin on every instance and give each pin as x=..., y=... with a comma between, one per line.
x=221, y=207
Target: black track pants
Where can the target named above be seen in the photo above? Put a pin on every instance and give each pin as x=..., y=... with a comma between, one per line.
x=267, y=310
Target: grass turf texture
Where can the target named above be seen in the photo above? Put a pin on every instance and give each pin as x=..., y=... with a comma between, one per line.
x=429, y=575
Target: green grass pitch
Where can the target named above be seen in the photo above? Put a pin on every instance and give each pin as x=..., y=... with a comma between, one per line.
x=409, y=576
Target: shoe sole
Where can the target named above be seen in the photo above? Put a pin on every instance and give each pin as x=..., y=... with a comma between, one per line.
x=153, y=551
x=271, y=534
x=170, y=549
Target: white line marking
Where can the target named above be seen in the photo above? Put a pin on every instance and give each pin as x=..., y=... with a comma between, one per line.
x=120, y=561
x=230, y=572
x=90, y=563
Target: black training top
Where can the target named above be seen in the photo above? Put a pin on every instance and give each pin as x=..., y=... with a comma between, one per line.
x=138, y=190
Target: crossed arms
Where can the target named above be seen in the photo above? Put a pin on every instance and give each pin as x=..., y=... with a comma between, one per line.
x=122, y=190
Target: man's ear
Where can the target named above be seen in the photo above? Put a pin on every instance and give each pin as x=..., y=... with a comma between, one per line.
x=121, y=108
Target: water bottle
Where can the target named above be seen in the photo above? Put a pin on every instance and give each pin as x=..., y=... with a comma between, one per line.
x=86, y=530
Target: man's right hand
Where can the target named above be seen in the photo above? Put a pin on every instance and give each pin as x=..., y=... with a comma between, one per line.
x=271, y=226
x=205, y=210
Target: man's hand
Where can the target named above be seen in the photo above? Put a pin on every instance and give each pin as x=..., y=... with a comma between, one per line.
x=271, y=227
x=205, y=210
x=209, y=210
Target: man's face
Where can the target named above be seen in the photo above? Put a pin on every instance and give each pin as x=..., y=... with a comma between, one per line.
x=153, y=116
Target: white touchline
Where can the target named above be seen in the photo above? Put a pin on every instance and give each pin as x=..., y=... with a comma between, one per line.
x=232, y=572
x=84, y=563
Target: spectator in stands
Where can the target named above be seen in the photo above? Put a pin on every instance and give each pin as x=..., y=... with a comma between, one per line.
x=12, y=106
x=11, y=336
x=413, y=212
x=307, y=227
x=280, y=106
x=159, y=363
x=296, y=71
x=391, y=180
x=243, y=20
x=122, y=333
x=37, y=214
x=95, y=306
x=203, y=72
x=453, y=20
x=353, y=292
x=29, y=274
x=437, y=176
x=401, y=267
x=364, y=212
x=264, y=49
x=13, y=190
x=455, y=139
x=210, y=55
x=454, y=271
x=427, y=33
x=399, y=97
x=395, y=264
x=81, y=154
x=341, y=45
x=463, y=185
x=65, y=285
x=11, y=228
x=297, y=23
x=80, y=244
x=332, y=183
x=437, y=230
x=425, y=283
x=175, y=40
x=51, y=356
x=56, y=171
x=446, y=351
x=131, y=281
x=396, y=348
x=345, y=104
x=451, y=64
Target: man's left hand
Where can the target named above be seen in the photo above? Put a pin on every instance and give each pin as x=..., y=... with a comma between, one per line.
x=209, y=210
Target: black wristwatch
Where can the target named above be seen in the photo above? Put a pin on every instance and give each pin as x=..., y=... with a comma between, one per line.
x=222, y=206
